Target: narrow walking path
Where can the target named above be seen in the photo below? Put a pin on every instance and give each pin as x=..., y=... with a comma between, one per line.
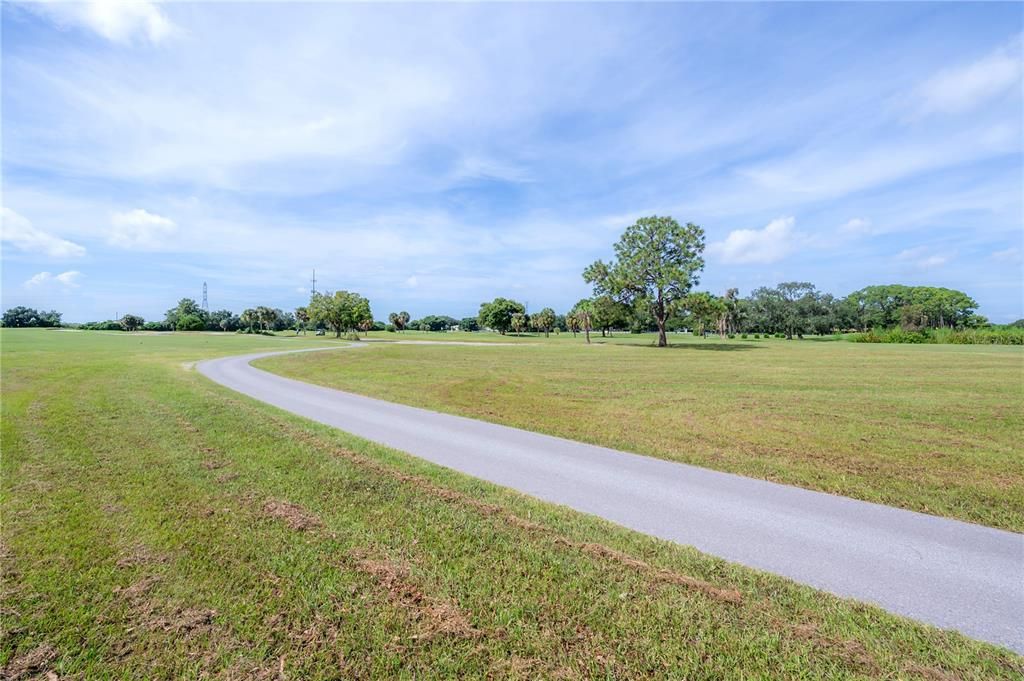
x=944, y=572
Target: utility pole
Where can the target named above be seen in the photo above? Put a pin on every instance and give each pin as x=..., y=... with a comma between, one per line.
x=206, y=304
x=313, y=293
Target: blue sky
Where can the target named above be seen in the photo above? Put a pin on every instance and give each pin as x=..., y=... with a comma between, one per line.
x=431, y=157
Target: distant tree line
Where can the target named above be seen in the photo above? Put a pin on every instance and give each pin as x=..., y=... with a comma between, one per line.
x=23, y=317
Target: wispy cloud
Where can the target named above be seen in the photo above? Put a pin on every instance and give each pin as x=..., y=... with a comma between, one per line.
x=968, y=86
x=922, y=258
x=65, y=279
x=23, y=235
x=120, y=21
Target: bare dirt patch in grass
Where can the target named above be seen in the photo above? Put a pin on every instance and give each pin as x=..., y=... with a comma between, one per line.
x=34, y=663
x=435, y=617
x=140, y=554
x=293, y=515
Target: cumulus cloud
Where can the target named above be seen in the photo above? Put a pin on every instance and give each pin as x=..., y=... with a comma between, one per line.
x=770, y=244
x=965, y=87
x=67, y=279
x=119, y=21
x=140, y=230
x=23, y=235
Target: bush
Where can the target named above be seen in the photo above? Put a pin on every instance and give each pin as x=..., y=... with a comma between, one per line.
x=731, y=335
x=390, y=328
x=780, y=335
x=108, y=325
x=743, y=335
x=991, y=336
x=155, y=326
x=189, y=322
x=254, y=332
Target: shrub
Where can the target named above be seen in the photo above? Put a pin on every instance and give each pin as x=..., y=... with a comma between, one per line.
x=108, y=325
x=390, y=328
x=743, y=335
x=990, y=336
x=189, y=322
x=780, y=335
x=731, y=335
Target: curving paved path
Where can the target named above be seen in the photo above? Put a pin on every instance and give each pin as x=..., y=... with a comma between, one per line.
x=944, y=572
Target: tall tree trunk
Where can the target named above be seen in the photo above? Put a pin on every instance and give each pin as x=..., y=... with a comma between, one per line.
x=659, y=317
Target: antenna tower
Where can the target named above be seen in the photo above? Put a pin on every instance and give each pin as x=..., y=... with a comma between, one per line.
x=206, y=305
x=314, y=283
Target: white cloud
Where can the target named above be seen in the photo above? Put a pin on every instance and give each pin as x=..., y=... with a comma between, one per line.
x=762, y=246
x=412, y=282
x=1011, y=255
x=856, y=226
x=966, y=87
x=140, y=230
x=119, y=21
x=20, y=232
x=920, y=258
x=66, y=279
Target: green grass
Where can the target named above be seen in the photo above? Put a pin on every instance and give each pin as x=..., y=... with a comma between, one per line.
x=156, y=525
x=930, y=428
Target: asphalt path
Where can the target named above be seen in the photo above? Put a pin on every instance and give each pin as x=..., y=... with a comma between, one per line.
x=947, y=573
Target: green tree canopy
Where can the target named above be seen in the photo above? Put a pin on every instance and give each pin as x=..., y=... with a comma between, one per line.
x=497, y=314
x=544, y=320
x=26, y=316
x=341, y=311
x=131, y=322
x=657, y=262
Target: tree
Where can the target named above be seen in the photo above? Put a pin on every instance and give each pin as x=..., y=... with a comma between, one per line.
x=131, y=322
x=249, y=318
x=186, y=307
x=469, y=324
x=544, y=320
x=497, y=314
x=399, y=320
x=341, y=311
x=266, y=317
x=520, y=322
x=581, y=316
x=799, y=300
x=704, y=310
x=572, y=323
x=301, y=319
x=657, y=263
x=20, y=317
x=435, y=322
x=189, y=322
x=608, y=313
x=215, y=320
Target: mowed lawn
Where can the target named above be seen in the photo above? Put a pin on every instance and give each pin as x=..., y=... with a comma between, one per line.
x=156, y=525
x=932, y=428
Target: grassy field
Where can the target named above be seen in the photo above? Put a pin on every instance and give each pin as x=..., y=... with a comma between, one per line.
x=930, y=428
x=156, y=525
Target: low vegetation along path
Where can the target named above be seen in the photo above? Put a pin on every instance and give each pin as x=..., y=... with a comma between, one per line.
x=944, y=572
